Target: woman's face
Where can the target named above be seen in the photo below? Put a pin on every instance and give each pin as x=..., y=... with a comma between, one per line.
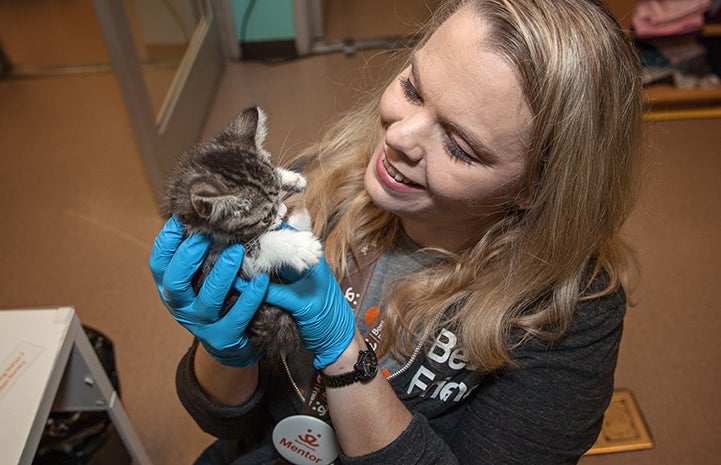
x=454, y=128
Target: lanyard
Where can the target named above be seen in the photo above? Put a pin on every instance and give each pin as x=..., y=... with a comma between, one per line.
x=315, y=403
x=353, y=285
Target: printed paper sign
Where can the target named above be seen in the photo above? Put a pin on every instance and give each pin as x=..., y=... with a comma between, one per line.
x=16, y=364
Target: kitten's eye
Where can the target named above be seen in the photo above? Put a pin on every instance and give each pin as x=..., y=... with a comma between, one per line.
x=269, y=217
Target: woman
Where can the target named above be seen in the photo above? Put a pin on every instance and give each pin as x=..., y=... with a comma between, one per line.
x=472, y=215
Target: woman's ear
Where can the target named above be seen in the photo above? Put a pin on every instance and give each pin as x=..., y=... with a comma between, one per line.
x=523, y=201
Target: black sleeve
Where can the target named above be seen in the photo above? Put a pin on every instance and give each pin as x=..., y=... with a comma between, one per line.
x=220, y=421
x=549, y=410
x=418, y=444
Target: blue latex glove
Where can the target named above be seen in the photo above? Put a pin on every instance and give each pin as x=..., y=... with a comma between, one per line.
x=173, y=262
x=324, y=316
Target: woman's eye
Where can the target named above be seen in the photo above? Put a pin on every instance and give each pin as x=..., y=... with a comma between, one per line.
x=452, y=147
x=456, y=151
x=410, y=91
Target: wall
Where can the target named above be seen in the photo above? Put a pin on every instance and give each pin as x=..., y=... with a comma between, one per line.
x=269, y=20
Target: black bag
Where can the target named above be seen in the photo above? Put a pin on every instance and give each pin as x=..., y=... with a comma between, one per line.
x=84, y=438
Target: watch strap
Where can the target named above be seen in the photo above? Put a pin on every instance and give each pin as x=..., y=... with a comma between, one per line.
x=364, y=370
x=344, y=379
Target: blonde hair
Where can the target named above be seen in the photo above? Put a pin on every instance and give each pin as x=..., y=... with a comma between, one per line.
x=581, y=80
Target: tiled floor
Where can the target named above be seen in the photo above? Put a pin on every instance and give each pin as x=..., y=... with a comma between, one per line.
x=78, y=221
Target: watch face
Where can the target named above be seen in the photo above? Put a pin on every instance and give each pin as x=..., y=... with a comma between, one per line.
x=364, y=370
x=367, y=365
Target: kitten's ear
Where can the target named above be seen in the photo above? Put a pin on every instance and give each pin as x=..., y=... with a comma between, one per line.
x=204, y=196
x=252, y=124
x=209, y=201
x=261, y=131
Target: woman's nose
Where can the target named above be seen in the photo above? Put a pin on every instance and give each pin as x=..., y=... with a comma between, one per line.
x=408, y=135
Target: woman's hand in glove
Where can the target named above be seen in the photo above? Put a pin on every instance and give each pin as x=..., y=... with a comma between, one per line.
x=173, y=262
x=324, y=317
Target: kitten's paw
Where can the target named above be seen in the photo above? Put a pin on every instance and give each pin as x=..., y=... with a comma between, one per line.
x=291, y=181
x=307, y=251
x=299, y=218
x=284, y=247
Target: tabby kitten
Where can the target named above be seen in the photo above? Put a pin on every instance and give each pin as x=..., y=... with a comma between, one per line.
x=228, y=188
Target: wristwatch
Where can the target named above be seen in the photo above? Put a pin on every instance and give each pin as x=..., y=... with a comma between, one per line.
x=364, y=370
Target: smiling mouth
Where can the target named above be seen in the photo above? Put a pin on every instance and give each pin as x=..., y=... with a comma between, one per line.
x=395, y=174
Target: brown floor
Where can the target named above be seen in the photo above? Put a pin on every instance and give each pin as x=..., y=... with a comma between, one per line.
x=78, y=221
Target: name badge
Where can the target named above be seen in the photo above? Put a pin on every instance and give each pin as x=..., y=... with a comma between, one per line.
x=305, y=440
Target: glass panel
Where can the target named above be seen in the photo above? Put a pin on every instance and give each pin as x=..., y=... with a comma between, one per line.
x=160, y=137
x=46, y=34
x=45, y=37
x=162, y=31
